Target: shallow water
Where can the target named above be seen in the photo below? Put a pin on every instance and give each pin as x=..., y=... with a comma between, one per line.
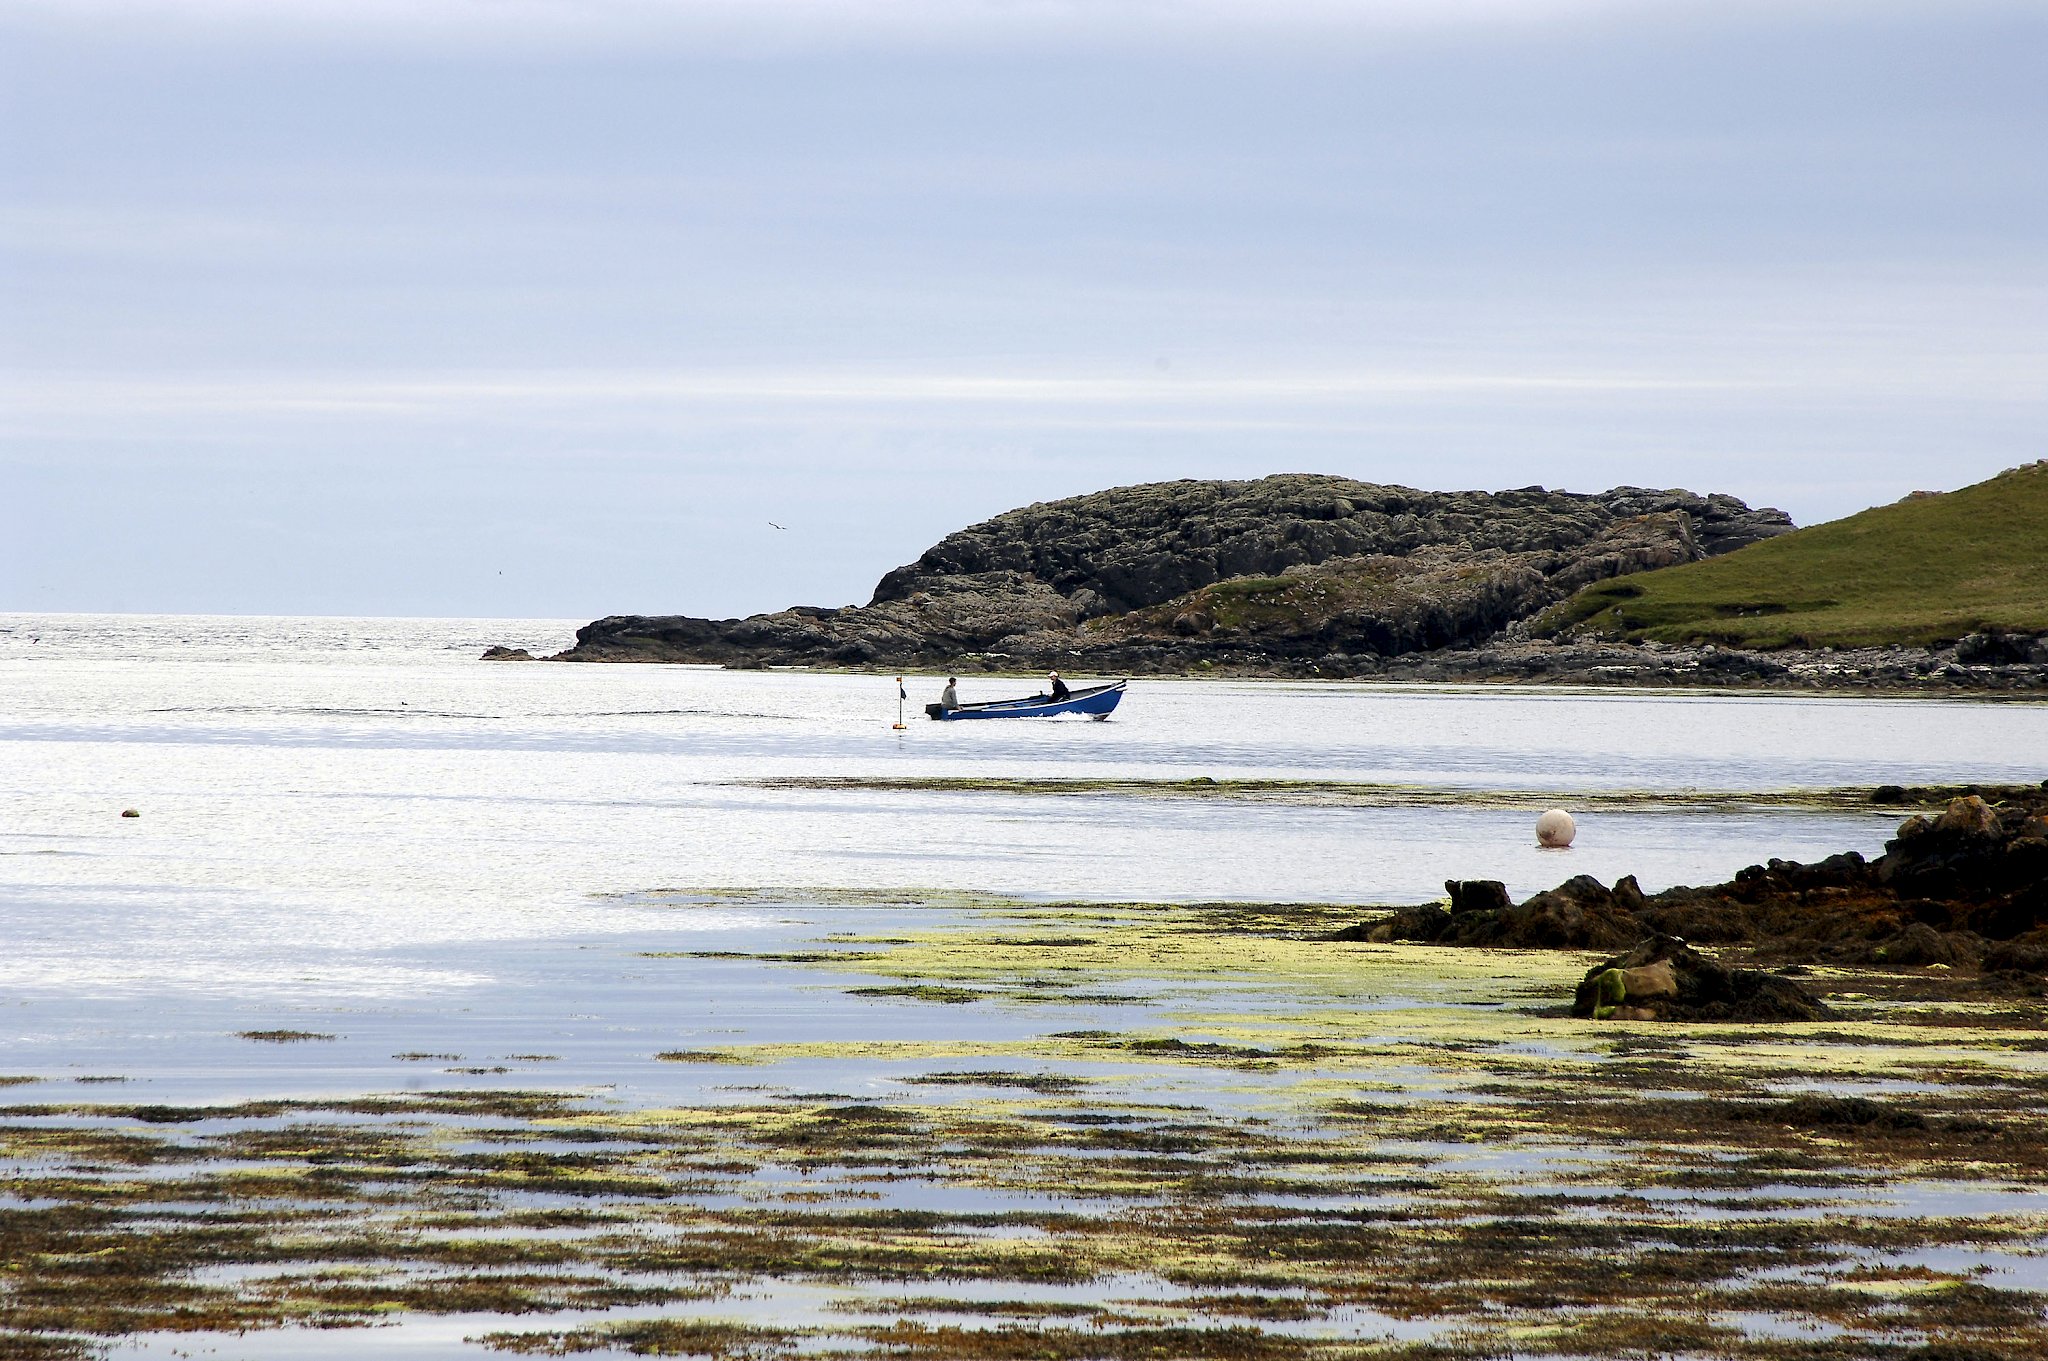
x=356, y=821
x=452, y=873
x=363, y=791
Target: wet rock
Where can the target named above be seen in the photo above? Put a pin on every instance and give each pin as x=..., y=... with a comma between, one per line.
x=1969, y=891
x=1920, y=945
x=2025, y=954
x=506, y=654
x=1970, y=816
x=1426, y=922
x=1580, y=914
x=1648, y=982
x=1681, y=984
x=1477, y=895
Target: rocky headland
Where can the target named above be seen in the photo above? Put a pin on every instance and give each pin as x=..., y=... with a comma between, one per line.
x=1304, y=575
x=1283, y=571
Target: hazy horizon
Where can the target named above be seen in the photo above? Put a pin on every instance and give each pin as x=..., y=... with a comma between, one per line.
x=547, y=310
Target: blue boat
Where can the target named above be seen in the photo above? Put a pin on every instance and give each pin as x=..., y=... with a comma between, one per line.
x=1096, y=702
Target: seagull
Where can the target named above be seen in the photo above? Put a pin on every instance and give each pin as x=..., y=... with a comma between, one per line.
x=773, y=525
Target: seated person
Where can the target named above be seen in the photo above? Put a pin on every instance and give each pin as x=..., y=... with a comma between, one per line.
x=1059, y=687
x=949, y=698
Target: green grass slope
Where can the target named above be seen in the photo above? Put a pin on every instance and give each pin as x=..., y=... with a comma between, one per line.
x=1924, y=571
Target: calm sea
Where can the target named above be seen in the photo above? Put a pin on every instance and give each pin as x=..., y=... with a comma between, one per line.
x=357, y=819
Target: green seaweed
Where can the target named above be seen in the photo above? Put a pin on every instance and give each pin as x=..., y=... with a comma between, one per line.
x=1473, y=1161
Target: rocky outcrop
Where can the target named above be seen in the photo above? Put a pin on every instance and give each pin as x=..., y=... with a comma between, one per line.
x=1166, y=575
x=1579, y=914
x=1664, y=979
x=1133, y=547
x=1967, y=889
x=1385, y=605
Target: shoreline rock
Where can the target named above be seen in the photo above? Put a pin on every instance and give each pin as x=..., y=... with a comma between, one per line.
x=1664, y=979
x=1885, y=670
x=1966, y=891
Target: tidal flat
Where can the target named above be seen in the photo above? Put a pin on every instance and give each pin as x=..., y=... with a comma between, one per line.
x=1113, y=1130
x=367, y=1038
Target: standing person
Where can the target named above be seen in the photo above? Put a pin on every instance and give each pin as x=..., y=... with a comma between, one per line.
x=949, y=698
x=1059, y=687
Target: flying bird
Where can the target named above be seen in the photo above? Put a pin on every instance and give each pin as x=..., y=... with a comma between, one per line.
x=773, y=525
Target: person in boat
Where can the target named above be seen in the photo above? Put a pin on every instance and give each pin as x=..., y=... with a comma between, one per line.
x=1059, y=687
x=949, y=698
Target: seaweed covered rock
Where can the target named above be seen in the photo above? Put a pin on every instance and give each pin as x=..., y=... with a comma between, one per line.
x=1945, y=891
x=1967, y=889
x=1580, y=914
x=1664, y=979
x=1477, y=895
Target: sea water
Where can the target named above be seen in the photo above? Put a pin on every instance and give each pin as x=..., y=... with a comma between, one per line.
x=355, y=827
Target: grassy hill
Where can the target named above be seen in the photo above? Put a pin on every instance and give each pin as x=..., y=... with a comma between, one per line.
x=1926, y=570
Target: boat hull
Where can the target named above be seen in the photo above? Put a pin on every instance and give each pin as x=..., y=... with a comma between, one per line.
x=1095, y=702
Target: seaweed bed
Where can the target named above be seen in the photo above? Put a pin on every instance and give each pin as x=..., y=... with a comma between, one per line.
x=1380, y=794
x=1336, y=793
x=1270, y=1145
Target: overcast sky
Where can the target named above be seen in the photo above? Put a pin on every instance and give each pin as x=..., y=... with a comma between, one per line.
x=434, y=307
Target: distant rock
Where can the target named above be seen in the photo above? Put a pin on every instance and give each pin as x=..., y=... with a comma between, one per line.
x=507, y=654
x=1285, y=569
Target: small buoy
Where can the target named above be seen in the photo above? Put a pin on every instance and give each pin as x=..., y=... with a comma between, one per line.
x=131, y=812
x=1555, y=829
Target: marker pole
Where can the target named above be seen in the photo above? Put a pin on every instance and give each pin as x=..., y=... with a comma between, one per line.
x=901, y=694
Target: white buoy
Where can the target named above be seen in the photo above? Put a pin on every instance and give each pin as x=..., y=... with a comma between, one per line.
x=1555, y=830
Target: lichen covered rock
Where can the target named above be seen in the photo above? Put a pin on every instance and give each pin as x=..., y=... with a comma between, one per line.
x=1664, y=979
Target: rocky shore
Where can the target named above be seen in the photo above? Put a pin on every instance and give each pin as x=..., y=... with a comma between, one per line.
x=1965, y=892
x=1975, y=663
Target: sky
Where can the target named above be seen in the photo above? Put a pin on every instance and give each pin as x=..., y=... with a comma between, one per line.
x=539, y=308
